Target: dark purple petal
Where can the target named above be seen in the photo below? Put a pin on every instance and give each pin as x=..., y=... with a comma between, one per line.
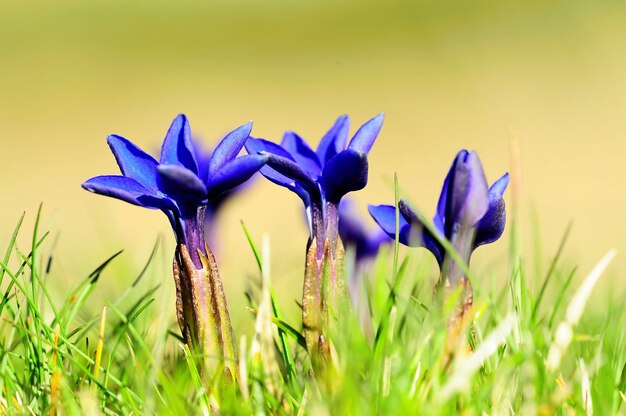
x=134, y=162
x=126, y=189
x=261, y=145
x=302, y=153
x=254, y=146
x=277, y=178
x=288, y=167
x=421, y=235
x=302, y=189
x=364, y=138
x=334, y=141
x=234, y=173
x=294, y=186
x=181, y=183
x=177, y=148
x=467, y=196
x=346, y=172
x=229, y=148
x=440, y=215
x=491, y=226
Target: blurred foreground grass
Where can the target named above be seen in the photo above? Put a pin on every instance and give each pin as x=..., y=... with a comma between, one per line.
x=534, y=352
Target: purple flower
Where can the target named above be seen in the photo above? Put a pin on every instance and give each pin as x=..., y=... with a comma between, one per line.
x=182, y=184
x=469, y=214
x=320, y=178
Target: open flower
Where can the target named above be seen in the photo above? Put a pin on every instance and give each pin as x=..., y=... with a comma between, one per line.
x=182, y=184
x=469, y=214
x=320, y=178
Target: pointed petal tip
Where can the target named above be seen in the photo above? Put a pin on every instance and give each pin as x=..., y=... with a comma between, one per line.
x=87, y=186
x=181, y=116
x=374, y=210
x=180, y=119
x=125, y=189
x=229, y=147
x=113, y=138
x=289, y=134
x=235, y=173
x=383, y=214
x=378, y=119
x=366, y=135
x=237, y=134
x=132, y=161
x=334, y=140
x=462, y=154
x=177, y=147
x=246, y=126
x=407, y=212
x=499, y=186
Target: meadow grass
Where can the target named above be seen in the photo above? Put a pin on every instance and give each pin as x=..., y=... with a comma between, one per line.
x=527, y=351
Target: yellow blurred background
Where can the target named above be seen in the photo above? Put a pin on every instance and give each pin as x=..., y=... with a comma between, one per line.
x=447, y=74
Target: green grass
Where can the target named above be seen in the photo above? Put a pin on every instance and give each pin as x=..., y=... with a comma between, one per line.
x=62, y=356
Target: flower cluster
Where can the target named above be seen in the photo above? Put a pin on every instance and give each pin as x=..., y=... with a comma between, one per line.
x=189, y=186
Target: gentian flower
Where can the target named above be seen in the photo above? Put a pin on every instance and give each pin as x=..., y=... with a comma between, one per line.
x=320, y=178
x=469, y=214
x=364, y=245
x=182, y=184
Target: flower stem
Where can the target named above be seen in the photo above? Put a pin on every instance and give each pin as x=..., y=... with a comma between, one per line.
x=201, y=306
x=324, y=284
x=455, y=280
